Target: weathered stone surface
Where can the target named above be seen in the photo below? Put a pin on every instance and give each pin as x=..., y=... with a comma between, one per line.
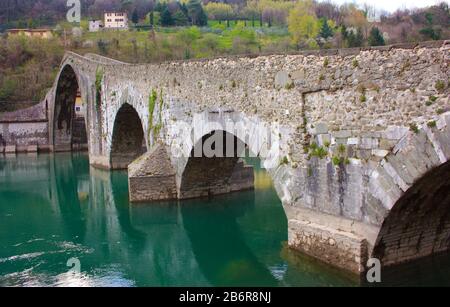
x=32, y=148
x=10, y=149
x=151, y=177
x=282, y=79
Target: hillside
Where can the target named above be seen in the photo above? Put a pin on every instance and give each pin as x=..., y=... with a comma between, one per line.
x=169, y=30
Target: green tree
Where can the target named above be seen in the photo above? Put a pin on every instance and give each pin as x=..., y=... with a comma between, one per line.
x=166, y=17
x=354, y=39
x=325, y=30
x=218, y=11
x=135, y=17
x=302, y=22
x=375, y=37
x=180, y=19
x=196, y=13
x=152, y=18
x=429, y=31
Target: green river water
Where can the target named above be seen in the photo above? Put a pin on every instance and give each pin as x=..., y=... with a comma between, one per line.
x=54, y=208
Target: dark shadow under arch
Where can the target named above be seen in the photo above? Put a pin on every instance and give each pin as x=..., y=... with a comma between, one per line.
x=69, y=128
x=223, y=172
x=128, y=140
x=418, y=225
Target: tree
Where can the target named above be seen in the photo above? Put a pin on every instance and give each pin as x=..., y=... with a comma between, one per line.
x=180, y=19
x=166, y=18
x=135, y=17
x=302, y=22
x=325, y=30
x=354, y=39
x=196, y=13
x=355, y=18
x=218, y=11
x=429, y=31
x=152, y=18
x=375, y=37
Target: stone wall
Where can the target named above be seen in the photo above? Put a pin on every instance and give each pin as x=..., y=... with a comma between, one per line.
x=24, y=130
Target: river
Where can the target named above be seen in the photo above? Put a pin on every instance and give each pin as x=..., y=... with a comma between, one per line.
x=64, y=223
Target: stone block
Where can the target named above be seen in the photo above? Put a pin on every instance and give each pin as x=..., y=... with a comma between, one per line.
x=323, y=138
x=32, y=148
x=9, y=149
x=282, y=79
x=342, y=134
x=320, y=128
x=353, y=141
x=338, y=248
x=381, y=153
x=369, y=143
x=394, y=132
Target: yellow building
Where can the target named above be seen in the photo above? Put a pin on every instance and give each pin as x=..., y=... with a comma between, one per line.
x=79, y=108
x=39, y=33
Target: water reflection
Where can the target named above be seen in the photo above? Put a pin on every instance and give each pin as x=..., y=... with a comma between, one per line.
x=54, y=207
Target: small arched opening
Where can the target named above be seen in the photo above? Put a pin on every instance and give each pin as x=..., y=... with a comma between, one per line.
x=69, y=127
x=128, y=140
x=215, y=166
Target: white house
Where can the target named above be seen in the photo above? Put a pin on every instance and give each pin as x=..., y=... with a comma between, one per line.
x=95, y=25
x=116, y=21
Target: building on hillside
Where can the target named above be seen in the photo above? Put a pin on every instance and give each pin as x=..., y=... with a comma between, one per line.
x=115, y=20
x=39, y=33
x=95, y=25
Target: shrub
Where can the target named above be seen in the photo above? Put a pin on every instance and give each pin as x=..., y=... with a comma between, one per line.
x=98, y=85
x=336, y=160
x=431, y=124
x=440, y=85
x=290, y=86
x=319, y=152
x=414, y=128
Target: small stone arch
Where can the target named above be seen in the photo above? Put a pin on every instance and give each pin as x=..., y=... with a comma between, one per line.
x=128, y=139
x=216, y=171
x=258, y=138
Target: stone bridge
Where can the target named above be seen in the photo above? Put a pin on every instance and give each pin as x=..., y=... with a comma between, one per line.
x=357, y=141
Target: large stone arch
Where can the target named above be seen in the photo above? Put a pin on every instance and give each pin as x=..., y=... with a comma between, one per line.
x=128, y=139
x=417, y=219
x=63, y=122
